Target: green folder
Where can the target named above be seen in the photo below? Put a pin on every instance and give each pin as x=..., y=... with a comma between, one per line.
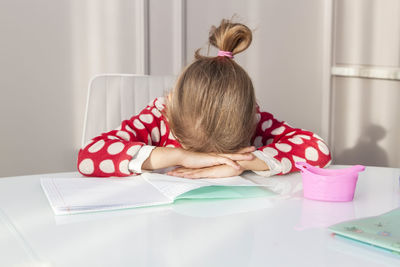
x=381, y=231
x=225, y=192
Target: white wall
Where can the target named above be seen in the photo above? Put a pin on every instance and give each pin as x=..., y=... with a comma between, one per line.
x=50, y=49
x=365, y=111
x=285, y=59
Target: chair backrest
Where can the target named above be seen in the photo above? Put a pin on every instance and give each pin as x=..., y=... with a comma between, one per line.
x=116, y=97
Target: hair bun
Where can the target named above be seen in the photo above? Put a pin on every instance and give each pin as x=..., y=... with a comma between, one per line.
x=229, y=36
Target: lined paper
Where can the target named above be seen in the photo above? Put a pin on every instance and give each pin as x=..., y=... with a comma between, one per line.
x=76, y=195
x=72, y=195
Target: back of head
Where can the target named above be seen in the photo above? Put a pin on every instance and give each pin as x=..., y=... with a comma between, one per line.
x=213, y=106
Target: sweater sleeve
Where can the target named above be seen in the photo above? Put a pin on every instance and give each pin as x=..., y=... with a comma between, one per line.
x=110, y=153
x=280, y=145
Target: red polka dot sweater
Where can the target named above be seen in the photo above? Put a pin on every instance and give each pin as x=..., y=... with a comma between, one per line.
x=121, y=152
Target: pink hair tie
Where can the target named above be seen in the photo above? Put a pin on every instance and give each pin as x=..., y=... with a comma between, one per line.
x=225, y=54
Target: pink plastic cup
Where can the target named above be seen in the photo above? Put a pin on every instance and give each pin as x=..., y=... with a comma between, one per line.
x=329, y=184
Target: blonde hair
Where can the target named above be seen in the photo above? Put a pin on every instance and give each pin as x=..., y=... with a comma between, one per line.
x=212, y=107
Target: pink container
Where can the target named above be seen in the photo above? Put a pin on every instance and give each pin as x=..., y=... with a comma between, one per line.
x=329, y=184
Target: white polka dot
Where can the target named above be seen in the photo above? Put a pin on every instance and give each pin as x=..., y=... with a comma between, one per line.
x=124, y=135
x=133, y=150
x=283, y=147
x=329, y=163
x=138, y=124
x=123, y=167
x=322, y=147
x=304, y=136
x=291, y=133
x=311, y=154
x=298, y=159
x=296, y=140
x=288, y=125
x=163, y=128
x=270, y=141
x=146, y=118
x=87, y=143
x=112, y=137
x=107, y=166
x=86, y=166
x=318, y=137
x=258, y=141
x=155, y=135
x=258, y=117
x=266, y=124
x=270, y=151
x=149, y=141
x=170, y=145
x=156, y=112
x=278, y=130
x=129, y=129
x=286, y=165
x=115, y=148
x=160, y=102
x=171, y=136
x=96, y=146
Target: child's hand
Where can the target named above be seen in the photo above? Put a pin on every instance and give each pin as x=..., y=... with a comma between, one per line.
x=194, y=160
x=244, y=153
x=163, y=157
x=219, y=171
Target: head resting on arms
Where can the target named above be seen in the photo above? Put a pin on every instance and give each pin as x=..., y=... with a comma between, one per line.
x=212, y=106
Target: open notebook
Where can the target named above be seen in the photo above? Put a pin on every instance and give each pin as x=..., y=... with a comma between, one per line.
x=77, y=195
x=381, y=231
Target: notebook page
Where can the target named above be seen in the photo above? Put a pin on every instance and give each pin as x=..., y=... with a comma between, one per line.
x=172, y=186
x=73, y=195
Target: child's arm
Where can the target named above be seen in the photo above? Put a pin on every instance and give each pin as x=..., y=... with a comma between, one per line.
x=280, y=146
x=225, y=170
x=163, y=157
x=120, y=152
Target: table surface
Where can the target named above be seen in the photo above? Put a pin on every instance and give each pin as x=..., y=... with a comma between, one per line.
x=284, y=230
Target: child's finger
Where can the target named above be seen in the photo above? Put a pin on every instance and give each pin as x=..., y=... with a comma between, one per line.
x=196, y=175
x=247, y=149
x=178, y=171
x=227, y=161
x=187, y=174
x=238, y=156
x=199, y=173
x=182, y=169
x=178, y=174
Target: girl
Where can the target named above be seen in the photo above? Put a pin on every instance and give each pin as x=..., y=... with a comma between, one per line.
x=209, y=125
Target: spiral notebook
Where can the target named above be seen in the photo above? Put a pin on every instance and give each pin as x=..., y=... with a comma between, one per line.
x=78, y=195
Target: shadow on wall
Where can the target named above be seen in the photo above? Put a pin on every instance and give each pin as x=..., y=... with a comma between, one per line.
x=367, y=150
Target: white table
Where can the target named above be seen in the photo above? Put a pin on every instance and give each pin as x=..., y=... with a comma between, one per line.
x=279, y=231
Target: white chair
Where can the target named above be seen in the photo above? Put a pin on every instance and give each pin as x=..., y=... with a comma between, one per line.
x=113, y=98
